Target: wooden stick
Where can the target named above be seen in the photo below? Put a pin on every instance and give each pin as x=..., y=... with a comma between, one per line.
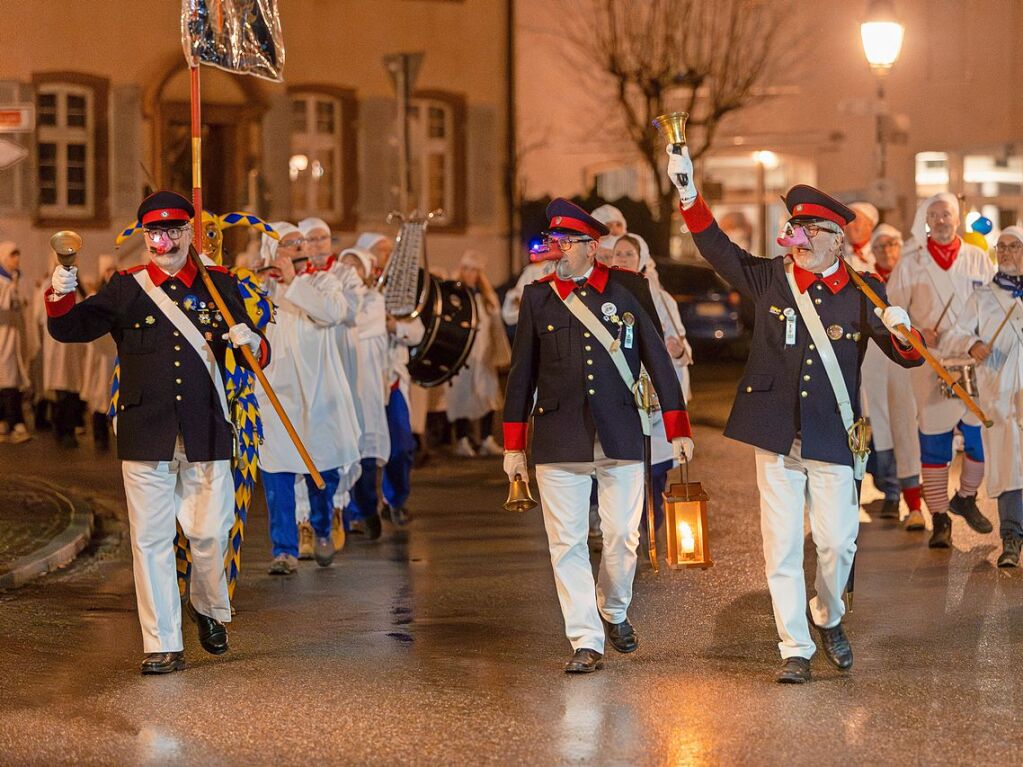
x=215, y=294
x=913, y=341
x=1005, y=319
x=943, y=311
x=254, y=364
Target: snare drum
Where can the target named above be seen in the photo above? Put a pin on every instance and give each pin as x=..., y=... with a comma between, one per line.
x=964, y=370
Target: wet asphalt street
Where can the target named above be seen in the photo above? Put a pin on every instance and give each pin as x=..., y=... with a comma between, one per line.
x=443, y=644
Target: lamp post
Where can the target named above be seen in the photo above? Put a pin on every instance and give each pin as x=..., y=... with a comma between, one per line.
x=882, y=41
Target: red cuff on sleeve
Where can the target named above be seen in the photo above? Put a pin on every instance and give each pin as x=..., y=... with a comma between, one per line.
x=515, y=436
x=676, y=424
x=698, y=217
x=61, y=306
x=907, y=352
x=264, y=353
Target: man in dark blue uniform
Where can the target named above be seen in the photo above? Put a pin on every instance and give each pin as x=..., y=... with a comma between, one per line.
x=797, y=402
x=583, y=333
x=175, y=437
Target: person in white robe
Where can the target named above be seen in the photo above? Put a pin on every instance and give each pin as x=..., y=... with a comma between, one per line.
x=857, y=247
x=100, y=358
x=999, y=356
x=937, y=273
x=307, y=374
x=475, y=391
x=14, y=346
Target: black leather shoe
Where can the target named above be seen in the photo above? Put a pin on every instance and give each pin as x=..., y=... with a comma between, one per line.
x=585, y=661
x=890, y=510
x=966, y=507
x=371, y=526
x=836, y=646
x=163, y=662
x=1010, y=551
x=794, y=671
x=212, y=633
x=941, y=535
x=622, y=636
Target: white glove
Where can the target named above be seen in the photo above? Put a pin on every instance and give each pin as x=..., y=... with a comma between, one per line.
x=683, y=446
x=515, y=463
x=64, y=281
x=242, y=335
x=680, y=173
x=892, y=316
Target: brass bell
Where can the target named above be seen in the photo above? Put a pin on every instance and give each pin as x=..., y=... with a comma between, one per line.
x=519, y=498
x=673, y=127
x=66, y=245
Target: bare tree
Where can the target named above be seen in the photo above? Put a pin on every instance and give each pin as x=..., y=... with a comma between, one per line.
x=704, y=57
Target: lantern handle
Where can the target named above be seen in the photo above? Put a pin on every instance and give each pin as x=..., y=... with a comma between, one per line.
x=683, y=470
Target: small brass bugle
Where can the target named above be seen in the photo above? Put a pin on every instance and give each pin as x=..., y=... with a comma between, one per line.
x=519, y=498
x=673, y=127
x=66, y=245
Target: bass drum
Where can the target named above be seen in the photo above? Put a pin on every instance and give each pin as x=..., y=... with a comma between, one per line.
x=450, y=320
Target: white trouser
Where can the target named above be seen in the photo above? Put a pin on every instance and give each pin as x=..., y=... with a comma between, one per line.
x=786, y=484
x=201, y=497
x=565, y=496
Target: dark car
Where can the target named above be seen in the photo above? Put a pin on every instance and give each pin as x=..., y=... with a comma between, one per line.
x=710, y=308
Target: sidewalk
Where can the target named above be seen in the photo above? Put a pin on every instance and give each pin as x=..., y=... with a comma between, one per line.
x=41, y=529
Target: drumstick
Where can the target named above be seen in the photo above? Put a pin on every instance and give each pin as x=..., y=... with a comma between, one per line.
x=943, y=311
x=1005, y=319
x=913, y=341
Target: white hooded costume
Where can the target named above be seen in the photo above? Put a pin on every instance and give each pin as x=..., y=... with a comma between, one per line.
x=99, y=358
x=923, y=288
x=475, y=390
x=999, y=377
x=307, y=374
x=886, y=394
x=15, y=349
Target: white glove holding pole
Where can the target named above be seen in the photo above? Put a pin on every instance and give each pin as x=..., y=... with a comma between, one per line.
x=680, y=173
x=64, y=280
x=242, y=335
x=515, y=463
x=892, y=317
x=683, y=446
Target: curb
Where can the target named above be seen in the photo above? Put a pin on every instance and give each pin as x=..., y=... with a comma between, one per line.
x=62, y=548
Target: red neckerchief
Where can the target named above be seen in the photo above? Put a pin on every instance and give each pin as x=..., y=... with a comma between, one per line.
x=186, y=275
x=327, y=266
x=858, y=247
x=884, y=274
x=597, y=280
x=834, y=281
x=944, y=255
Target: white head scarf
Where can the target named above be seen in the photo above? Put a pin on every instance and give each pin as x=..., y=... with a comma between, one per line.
x=607, y=214
x=1013, y=231
x=367, y=240
x=367, y=259
x=268, y=247
x=866, y=210
x=644, y=249
x=885, y=230
x=471, y=260
x=306, y=225
x=919, y=230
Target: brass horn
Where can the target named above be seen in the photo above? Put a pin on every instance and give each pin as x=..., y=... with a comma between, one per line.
x=66, y=245
x=673, y=127
x=519, y=498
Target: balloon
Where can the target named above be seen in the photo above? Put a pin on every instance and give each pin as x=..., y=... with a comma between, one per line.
x=983, y=225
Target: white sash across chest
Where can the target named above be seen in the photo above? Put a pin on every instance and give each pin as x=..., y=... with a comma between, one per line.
x=188, y=331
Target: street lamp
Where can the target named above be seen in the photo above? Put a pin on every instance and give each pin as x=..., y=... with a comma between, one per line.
x=882, y=41
x=764, y=160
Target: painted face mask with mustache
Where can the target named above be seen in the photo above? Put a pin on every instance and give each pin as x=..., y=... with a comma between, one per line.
x=814, y=247
x=168, y=246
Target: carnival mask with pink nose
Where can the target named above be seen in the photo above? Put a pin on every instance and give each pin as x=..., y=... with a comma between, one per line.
x=162, y=243
x=792, y=236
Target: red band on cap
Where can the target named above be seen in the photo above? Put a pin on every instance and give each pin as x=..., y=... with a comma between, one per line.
x=565, y=222
x=808, y=209
x=166, y=214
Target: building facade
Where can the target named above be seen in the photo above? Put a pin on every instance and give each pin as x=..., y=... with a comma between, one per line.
x=102, y=95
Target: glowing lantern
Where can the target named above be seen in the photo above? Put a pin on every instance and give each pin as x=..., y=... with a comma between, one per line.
x=685, y=516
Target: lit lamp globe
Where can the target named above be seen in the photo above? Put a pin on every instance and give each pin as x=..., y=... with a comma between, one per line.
x=882, y=36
